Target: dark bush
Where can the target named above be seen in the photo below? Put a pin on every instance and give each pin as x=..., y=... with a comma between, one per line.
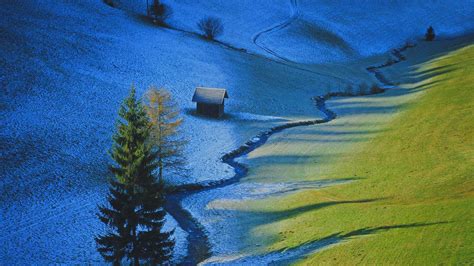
x=390, y=61
x=363, y=88
x=210, y=27
x=375, y=89
x=109, y=3
x=328, y=90
x=349, y=90
x=409, y=43
x=159, y=12
x=430, y=34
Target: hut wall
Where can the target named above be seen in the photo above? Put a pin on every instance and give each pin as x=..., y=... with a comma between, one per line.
x=214, y=110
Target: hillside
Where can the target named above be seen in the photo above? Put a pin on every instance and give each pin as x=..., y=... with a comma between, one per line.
x=405, y=157
x=420, y=169
x=313, y=32
x=65, y=67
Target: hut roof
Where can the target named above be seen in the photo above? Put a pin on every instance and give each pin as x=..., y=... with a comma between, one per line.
x=209, y=95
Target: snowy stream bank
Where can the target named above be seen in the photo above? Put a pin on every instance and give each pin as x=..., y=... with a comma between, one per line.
x=199, y=248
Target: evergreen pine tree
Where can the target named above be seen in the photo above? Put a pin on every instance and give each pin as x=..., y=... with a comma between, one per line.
x=114, y=246
x=165, y=135
x=135, y=214
x=156, y=246
x=430, y=34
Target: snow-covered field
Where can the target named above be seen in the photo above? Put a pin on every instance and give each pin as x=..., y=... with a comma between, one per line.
x=66, y=66
x=321, y=30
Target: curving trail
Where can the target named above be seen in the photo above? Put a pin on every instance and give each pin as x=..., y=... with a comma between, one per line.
x=294, y=14
x=283, y=61
x=199, y=248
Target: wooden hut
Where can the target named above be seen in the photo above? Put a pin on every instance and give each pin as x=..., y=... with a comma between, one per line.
x=210, y=101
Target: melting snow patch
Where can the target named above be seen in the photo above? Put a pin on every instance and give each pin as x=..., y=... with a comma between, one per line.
x=256, y=117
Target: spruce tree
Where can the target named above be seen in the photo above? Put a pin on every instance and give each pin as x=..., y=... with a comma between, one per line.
x=134, y=214
x=114, y=246
x=165, y=134
x=430, y=34
x=156, y=247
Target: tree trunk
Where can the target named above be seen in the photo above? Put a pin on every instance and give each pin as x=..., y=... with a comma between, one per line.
x=136, y=259
x=160, y=169
x=147, y=9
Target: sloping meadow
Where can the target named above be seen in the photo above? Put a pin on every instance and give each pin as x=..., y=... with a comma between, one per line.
x=404, y=158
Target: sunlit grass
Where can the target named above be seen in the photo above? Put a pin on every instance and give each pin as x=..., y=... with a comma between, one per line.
x=415, y=199
x=421, y=170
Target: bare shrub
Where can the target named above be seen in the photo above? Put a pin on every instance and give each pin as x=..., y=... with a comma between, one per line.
x=409, y=43
x=349, y=91
x=328, y=91
x=109, y=3
x=159, y=12
x=430, y=34
x=211, y=27
x=390, y=61
x=363, y=88
x=375, y=89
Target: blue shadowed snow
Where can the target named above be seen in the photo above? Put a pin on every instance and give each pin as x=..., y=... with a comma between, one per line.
x=65, y=67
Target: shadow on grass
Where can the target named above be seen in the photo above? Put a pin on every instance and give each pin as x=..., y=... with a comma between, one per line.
x=427, y=85
x=332, y=140
x=359, y=109
x=289, y=255
x=288, y=214
x=267, y=161
x=435, y=70
x=332, y=135
x=419, y=76
x=265, y=217
x=353, y=124
x=338, y=132
x=261, y=190
x=373, y=230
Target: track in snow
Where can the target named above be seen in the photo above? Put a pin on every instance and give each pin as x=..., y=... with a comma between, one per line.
x=294, y=13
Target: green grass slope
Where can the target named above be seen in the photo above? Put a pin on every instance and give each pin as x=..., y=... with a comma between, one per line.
x=412, y=158
x=420, y=172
